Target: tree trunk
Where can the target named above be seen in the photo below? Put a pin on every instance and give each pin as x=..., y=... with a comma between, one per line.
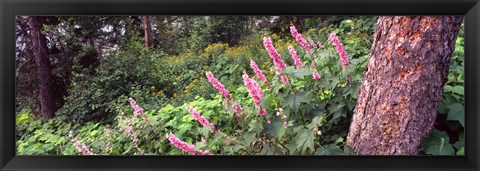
x=47, y=97
x=148, y=31
x=402, y=85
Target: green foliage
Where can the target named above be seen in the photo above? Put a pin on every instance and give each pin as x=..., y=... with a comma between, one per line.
x=437, y=144
x=305, y=116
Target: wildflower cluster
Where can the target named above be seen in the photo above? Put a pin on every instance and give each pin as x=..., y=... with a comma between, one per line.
x=258, y=72
x=219, y=86
x=137, y=110
x=255, y=92
x=340, y=50
x=188, y=148
x=81, y=147
x=295, y=58
x=200, y=118
x=128, y=130
x=298, y=37
x=272, y=52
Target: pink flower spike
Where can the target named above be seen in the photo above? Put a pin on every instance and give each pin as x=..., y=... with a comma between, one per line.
x=312, y=43
x=259, y=72
x=137, y=110
x=81, y=147
x=295, y=58
x=254, y=89
x=316, y=75
x=200, y=118
x=272, y=52
x=180, y=144
x=204, y=152
x=219, y=86
x=340, y=50
x=298, y=37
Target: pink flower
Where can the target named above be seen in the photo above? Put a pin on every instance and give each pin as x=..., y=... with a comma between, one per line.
x=316, y=75
x=285, y=123
x=254, y=89
x=137, y=110
x=237, y=108
x=295, y=58
x=204, y=152
x=340, y=50
x=320, y=45
x=312, y=44
x=284, y=79
x=81, y=147
x=262, y=112
x=313, y=62
x=200, y=118
x=219, y=86
x=127, y=128
x=272, y=52
x=268, y=122
x=259, y=72
x=298, y=37
x=185, y=146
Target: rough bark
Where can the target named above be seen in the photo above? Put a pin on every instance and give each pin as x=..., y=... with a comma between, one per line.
x=403, y=84
x=148, y=32
x=46, y=85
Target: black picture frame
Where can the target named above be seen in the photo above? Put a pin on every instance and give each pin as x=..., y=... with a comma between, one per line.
x=10, y=8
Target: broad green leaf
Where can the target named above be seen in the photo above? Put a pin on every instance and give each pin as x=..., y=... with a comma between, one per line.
x=461, y=141
x=199, y=145
x=267, y=150
x=294, y=100
x=305, y=140
x=302, y=72
x=330, y=149
x=461, y=152
x=256, y=126
x=275, y=129
x=437, y=143
x=457, y=113
x=248, y=138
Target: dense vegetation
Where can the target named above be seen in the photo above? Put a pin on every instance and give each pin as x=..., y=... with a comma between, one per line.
x=127, y=98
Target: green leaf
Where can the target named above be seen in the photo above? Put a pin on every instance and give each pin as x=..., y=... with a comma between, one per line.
x=330, y=149
x=267, y=150
x=199, y=145
x=256, y=126
x=437, y=144
x=248, y=138
x=461, y=141
x=461, y=152
x=294, y=100
x=275, y=129
x=457, y=113
x=302, y=72
x=305, y=140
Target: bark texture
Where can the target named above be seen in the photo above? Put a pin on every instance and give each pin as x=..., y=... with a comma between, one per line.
x=402, y=85
x=47, y=96
x=148, y=32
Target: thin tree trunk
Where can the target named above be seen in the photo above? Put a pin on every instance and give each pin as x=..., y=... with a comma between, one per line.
x=148, y=31
x=47, y=97
x=403, y=84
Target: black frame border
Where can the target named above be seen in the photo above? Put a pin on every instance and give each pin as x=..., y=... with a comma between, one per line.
x=10, y=8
